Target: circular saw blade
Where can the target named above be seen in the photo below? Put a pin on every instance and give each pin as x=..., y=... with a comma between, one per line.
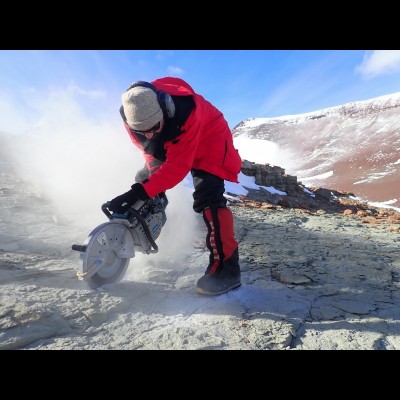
x=109, y=248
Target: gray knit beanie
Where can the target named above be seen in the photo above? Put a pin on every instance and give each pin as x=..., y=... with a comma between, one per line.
x=141, y=108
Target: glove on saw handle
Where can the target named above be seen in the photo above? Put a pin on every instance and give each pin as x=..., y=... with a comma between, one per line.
x=123, y=202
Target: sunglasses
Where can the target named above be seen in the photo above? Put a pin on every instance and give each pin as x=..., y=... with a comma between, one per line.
x=154, y=128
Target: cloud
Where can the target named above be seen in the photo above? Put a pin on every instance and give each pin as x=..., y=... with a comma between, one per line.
x=164, y=54
x=175, y=70
x=379, y=62
x=24, y=109
x=12, y=120
x=73, y=88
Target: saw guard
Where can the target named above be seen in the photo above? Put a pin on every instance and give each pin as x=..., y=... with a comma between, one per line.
x=109, y=248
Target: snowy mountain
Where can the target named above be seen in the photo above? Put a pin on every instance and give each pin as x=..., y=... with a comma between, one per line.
x=354, y=147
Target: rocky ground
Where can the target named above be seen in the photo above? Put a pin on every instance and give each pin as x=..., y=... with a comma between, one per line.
x=318, y=272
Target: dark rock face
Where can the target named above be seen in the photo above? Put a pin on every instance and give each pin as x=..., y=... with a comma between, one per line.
x=312, y=200
x=267, y=175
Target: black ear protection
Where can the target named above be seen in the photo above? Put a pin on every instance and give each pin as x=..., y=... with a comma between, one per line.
x=164, y=99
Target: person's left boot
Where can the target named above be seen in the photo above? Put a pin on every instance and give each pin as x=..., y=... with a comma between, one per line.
x=227, y=277
x=223, y=271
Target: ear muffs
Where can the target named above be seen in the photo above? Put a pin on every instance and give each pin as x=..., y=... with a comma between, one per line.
x=164, y=99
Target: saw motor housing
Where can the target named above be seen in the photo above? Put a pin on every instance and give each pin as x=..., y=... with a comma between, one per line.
x=107, y=250
x=147, y=229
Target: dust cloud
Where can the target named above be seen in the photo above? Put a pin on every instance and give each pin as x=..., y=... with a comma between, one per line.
x=77, y=162
x=267, y=153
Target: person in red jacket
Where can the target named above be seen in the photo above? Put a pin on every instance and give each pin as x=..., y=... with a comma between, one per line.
x=179, y=131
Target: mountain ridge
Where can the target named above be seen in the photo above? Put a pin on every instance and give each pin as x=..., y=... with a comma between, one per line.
x=353, y=147
x=376, y=103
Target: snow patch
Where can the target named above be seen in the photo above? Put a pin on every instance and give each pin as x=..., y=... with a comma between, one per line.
x=317, y=177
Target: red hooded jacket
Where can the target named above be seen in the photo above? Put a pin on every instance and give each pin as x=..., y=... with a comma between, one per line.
x=206, y=143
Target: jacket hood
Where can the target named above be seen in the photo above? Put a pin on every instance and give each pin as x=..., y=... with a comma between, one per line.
x=173, y=86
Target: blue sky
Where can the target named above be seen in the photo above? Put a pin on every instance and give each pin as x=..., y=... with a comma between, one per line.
x=40, y=84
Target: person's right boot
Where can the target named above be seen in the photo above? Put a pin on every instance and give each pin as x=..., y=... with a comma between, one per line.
x=223, y=271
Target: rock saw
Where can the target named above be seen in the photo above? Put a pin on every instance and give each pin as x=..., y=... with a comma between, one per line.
x=106, y=252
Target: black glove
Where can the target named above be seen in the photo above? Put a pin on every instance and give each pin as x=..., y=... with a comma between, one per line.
x=121, y=203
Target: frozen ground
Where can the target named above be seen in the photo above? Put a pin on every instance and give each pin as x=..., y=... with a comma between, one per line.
x=309, y=282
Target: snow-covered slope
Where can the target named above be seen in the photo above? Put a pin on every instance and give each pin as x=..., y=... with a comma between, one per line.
x=353, y=147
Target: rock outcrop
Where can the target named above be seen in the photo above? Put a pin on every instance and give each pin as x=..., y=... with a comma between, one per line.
x=267, y=175
x=312, y=200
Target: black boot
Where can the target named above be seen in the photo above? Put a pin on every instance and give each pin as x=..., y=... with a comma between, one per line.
x=223, y=271
x=226, y=278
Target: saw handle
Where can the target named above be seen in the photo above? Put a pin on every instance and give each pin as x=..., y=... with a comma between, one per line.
x=110, y=216
x=105, y=210
x=133, y=211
